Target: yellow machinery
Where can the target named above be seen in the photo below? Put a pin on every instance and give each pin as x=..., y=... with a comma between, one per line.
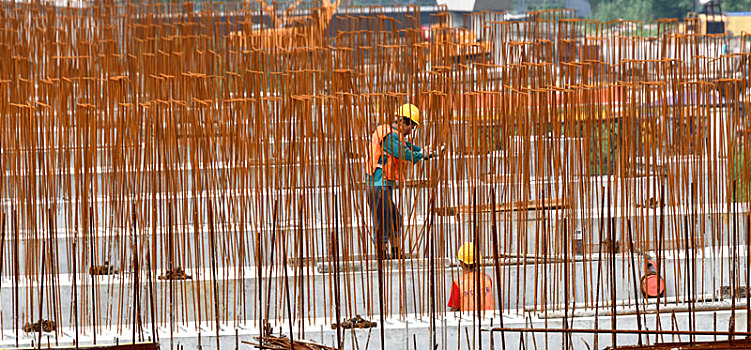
x=732, y=23
x=738, y=22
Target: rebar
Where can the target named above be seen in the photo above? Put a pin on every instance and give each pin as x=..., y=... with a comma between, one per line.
x=219, y=147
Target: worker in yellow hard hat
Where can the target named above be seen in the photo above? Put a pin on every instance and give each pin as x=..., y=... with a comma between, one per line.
x=464, y=292
x=389, y=155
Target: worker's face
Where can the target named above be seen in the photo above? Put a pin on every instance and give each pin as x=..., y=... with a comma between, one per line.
x=407, y=126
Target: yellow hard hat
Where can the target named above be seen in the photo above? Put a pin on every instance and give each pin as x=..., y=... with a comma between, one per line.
x=466, y=253
x=410, y=111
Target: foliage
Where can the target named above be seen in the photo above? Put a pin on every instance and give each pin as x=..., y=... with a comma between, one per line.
x=672, y=8
x=645, y=10
x=736, y=6
x=537, y=5
x=608, y=10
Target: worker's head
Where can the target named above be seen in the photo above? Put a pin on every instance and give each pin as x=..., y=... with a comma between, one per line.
x=466, y=256
x=407, y=118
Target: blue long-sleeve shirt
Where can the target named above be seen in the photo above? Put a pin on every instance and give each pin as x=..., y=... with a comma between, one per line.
x=393, y=146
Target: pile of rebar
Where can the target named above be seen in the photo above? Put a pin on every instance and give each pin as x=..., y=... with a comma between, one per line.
x=284, y=343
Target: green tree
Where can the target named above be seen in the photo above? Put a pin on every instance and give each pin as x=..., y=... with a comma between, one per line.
x=736, y=6
x=608, y=10
x=672, y=8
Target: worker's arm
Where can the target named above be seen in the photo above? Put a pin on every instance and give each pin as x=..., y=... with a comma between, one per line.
x=396, y=148
x=455, y=299
x=413, y=147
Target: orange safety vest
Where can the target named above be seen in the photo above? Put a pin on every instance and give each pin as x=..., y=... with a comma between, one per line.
x=394, y=168
x=467, y=292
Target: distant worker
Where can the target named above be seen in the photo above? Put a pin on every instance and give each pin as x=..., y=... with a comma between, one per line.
x=389, y=158
x=464, y=291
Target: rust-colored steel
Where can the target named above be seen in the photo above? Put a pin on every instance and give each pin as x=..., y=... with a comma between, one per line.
x=204, y=163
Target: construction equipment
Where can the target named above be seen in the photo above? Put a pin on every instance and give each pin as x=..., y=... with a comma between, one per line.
x=712, y=20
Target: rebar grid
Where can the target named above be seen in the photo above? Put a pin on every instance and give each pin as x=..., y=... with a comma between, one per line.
x=206, y=161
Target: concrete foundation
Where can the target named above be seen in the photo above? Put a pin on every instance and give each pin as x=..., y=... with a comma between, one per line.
x=452, y=331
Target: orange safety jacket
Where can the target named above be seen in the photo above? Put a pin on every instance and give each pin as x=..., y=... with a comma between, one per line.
x=394, y=168
x=467, y=292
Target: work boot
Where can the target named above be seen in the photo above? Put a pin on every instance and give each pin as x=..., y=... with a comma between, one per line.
x=382, y=251
x=396, y=253
x=384, y=254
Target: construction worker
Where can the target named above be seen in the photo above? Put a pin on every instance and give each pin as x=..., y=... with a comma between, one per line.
x=464, y=291
x=389, y=158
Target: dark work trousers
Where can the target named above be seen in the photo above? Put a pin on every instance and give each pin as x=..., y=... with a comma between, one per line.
x=387, y=220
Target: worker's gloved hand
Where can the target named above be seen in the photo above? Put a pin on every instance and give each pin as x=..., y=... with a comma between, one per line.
x=441, y=149
x=431, y=152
